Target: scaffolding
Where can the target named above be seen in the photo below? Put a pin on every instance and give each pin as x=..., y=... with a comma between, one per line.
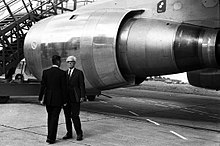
x=16, y=18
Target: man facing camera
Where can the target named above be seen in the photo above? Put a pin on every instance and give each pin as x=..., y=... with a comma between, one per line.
x=75, y=95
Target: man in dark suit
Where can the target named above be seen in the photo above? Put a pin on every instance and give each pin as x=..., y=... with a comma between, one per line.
x=75, y=95
x=53, y=95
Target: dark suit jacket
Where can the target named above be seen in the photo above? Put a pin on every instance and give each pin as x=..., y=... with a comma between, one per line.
x=53, y=87
x=76, y=86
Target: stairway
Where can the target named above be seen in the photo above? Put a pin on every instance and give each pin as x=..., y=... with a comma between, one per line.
x=16, y=18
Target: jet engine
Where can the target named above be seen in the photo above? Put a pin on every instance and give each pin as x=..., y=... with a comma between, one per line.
x=116, y=47
x=206, y=78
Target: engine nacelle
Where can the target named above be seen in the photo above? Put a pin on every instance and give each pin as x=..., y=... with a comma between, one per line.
x=148, y=47
x=116, y=47
x=206, y=78
x=91, y=37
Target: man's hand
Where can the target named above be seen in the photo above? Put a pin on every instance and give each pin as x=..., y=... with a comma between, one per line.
x=42, y=102
x=82, y=99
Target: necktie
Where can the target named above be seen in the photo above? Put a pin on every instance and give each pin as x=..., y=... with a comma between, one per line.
x=69, y=73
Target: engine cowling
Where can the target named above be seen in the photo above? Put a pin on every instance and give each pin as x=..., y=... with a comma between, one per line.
x=206, y=78
x=118, y=47
x=91, y=37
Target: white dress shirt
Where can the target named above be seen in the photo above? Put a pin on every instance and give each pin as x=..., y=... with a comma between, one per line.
x=70, y=71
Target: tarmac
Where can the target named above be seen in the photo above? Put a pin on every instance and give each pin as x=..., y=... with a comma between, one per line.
x=25, y=124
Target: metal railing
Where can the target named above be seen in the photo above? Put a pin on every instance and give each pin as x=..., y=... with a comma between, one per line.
x=17, y=18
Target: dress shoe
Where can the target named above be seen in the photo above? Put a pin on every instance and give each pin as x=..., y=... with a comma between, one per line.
x=67, y=136
x=50, y=141
x=79, y=137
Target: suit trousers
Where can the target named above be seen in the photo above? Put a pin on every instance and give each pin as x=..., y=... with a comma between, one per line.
x=71, y=111
x=52, y=121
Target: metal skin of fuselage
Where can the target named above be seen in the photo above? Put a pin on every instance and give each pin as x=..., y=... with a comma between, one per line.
x=121, y=42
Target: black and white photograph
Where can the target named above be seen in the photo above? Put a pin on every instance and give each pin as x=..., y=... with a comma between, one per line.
x=110, y=72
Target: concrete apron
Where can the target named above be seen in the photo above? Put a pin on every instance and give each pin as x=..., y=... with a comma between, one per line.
x=26, y=125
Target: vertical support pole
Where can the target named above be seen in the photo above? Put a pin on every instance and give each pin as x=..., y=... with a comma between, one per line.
x=74, y=6
x=55, y=6
x=62, y=7
x=3, y=54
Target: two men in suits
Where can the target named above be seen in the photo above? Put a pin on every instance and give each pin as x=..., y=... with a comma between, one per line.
x=53, y=89
x=75, y=95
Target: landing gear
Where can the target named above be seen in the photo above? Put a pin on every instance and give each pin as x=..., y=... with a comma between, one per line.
x=4, y=99
x=19, y=78
x=91, y=97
